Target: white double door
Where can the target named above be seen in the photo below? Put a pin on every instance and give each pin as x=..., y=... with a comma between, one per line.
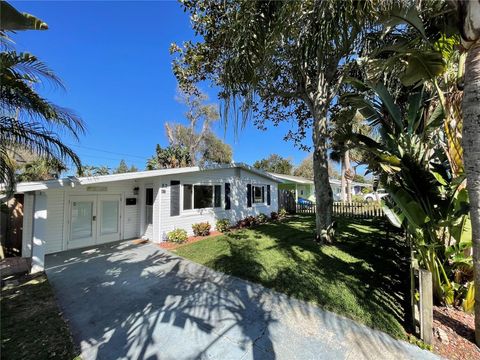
x=94, y=219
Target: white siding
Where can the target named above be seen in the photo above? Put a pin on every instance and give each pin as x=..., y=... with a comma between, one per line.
x=55, y=204
x=238, y=178
x=27, y=225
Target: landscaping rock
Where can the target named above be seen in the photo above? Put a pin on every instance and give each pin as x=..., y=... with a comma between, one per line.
x=442, y=336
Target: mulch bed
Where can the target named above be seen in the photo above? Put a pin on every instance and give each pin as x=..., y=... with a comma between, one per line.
x=454, y=334
x=172, y=246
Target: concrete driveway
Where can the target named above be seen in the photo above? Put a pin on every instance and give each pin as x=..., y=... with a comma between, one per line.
x=140, y=302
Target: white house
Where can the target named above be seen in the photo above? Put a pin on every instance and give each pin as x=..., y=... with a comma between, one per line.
x=79, y=212
x=305, y=188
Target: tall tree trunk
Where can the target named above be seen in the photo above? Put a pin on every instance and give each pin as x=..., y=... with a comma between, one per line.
x=323, y=191
x=343, y=180
x=347, y=175
x=471, y=147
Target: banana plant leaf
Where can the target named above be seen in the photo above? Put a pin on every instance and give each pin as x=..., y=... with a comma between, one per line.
x=389, y=103
x=405, y=15
x=410, y=208
x=422, y=66
x=396, y=219
x=469, y=301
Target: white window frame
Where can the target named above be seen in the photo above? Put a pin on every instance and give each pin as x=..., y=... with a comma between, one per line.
x=259, y=203
x=196, y=210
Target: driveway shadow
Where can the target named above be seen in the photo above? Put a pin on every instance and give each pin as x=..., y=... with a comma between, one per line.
x=140, y=302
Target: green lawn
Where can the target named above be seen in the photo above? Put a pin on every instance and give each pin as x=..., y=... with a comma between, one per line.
x=31, y=324
x=362, y=276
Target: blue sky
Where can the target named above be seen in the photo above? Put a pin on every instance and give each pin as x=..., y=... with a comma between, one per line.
x=113, y=58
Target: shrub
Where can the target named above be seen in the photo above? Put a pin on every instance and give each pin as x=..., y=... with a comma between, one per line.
x=201, y=229
x=357, y=198
x=282, y=214
x=223, y=225
x=177, y=236
x=247, y=222
x=261, y=218
x=241, y=223
x=274, y=215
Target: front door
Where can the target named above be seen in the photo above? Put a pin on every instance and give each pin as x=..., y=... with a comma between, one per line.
x=94, y=219
x=83, y=212
x=108, y=222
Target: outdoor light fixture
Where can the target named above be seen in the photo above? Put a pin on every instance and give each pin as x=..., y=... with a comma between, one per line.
x=135, y=190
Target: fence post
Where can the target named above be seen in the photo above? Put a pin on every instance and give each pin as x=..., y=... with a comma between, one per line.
x=426, y=305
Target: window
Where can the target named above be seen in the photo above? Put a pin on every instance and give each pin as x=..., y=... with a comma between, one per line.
x=148, y=206
x=258, y=194
x=201, y=196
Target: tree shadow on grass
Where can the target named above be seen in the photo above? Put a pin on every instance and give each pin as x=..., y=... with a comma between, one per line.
x=364, y=275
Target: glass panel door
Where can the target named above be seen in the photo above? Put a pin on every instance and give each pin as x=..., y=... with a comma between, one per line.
x=109, y=228
x=82, y=215
x=82, y=221
x=109, y=217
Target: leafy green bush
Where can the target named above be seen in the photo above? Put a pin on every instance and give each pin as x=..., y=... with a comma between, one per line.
x=177, y=236
x=201, y=229
x=261, y=218
x=282, y=214
x=357, y=198
x=223, y=225
x=274, y=215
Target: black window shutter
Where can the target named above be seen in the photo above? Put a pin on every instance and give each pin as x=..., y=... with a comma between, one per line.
x=249, y=195
x=217, y=198
x=174, y=198
x=263, y=194
x=268, y=195
x=227, y=196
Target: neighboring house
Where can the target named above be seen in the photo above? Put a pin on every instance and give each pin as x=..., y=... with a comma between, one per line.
x=357, y=188
x=305, y=188
x=78, y=212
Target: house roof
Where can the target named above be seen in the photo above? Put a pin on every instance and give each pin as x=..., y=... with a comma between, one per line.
x=304, y=181
x=354, y=183
x=72, y=180
x=292, y=178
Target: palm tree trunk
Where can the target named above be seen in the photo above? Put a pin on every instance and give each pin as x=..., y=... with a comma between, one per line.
x=471, y=146
x=323, y=191
x=343, y=183
x=348, y=179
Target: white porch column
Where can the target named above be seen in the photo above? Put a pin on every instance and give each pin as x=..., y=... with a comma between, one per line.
x=27, y=233
x=39, y=232
x=157, y=190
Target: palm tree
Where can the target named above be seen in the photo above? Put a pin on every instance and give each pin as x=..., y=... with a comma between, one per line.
x=28, y=121
x=469, y=16
x=345, y=121
x=40, y=169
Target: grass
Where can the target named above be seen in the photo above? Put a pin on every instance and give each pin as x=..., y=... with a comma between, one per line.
x=362, y=276
x=31, y=324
